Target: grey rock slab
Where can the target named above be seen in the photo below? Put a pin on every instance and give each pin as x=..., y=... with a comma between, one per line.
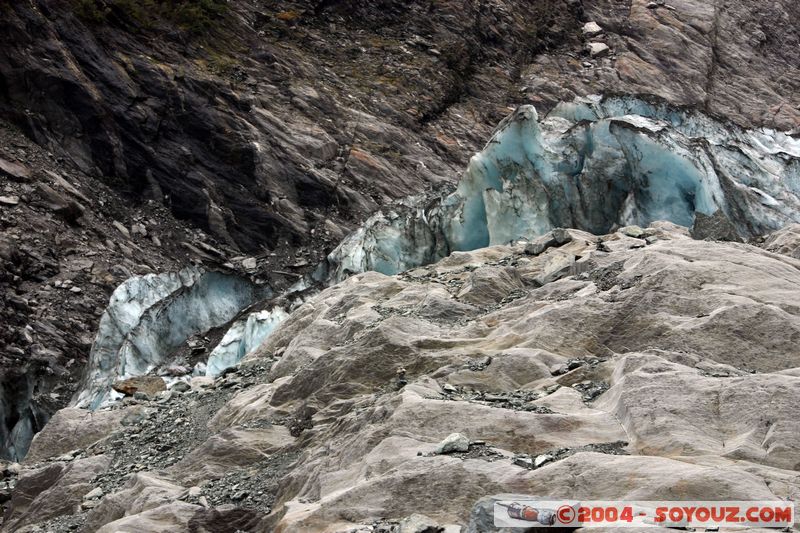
x=142, y=492
x=15, y=171
x=591, y=29
x=598, y=50
x=785, y=241
x=71, y=429
x=10, y=201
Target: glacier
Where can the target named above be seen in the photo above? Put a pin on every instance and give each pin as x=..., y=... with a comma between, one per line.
x=148, y=317
x=596, y=163
x=593, y=164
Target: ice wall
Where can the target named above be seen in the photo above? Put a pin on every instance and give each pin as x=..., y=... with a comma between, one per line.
x=591, y=164
x=20, y=416
x=148, y=317
x=243, y=337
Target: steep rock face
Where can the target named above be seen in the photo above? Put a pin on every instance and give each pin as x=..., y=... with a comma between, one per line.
x=737, y=60
x=565, y=349
x=279, y=116
x=66, y=242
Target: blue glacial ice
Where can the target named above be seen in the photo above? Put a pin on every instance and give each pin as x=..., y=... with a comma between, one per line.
x=148, y=317
x=592, y=164
x=243, y=337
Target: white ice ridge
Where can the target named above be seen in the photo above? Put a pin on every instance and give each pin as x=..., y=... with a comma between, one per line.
x=591, y=164
x=243, y=337
x=148, y=317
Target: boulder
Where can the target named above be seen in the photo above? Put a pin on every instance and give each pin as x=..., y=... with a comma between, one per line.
x=93, y=494
x=591, y=29
x=66, y=208
x=15, y=171
x=72, y=428
x=201, y=382
x=232, y=448
x=174, y=516
x=149, y=385
x=120, y=227
x=455, y=442
x=142, y=492
x=181, y=386
x=557, y=237
x=597, y=50
x=785, y=241
x=419, y=523
x=53, y=490
x=715, y=227
x=490, y=285
x=9, y=200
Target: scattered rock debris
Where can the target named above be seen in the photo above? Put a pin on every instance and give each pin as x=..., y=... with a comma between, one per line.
x=532, y=462
x=520, y=400
x=591, y=389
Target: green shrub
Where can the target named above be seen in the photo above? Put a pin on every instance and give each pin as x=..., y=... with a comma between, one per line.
x=90, y=10
x=193, y=16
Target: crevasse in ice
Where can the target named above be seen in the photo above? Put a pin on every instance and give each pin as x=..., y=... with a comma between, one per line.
x=591, y=164
x=22, y=417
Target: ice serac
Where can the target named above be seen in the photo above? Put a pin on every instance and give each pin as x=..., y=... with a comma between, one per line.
x=243, y=337
x=591, y=164
x=148, y=317
x=20, y=416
